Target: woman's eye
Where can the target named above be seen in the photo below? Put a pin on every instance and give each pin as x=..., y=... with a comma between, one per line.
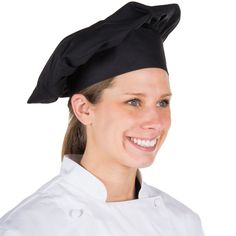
x=164, y=103
x=134, y=101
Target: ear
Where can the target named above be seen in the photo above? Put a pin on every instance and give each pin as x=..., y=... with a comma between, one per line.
x=82, y=108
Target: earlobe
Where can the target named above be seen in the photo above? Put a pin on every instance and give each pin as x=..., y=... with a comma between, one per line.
x=81, y=108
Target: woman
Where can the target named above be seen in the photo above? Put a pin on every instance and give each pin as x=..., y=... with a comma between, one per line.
x=115, y=75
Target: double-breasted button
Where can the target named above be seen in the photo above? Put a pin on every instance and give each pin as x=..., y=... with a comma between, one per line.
x=76, y=213
x=157, y=202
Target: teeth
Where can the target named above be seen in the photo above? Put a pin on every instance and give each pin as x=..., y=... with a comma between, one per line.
x=144, y=143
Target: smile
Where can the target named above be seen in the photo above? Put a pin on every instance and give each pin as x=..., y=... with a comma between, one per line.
x=144, y=145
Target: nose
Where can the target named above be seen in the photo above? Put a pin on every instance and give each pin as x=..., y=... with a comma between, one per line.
x=155, y=119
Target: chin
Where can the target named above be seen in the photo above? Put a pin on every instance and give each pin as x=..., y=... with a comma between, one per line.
x=139, y=161
x=144, y=165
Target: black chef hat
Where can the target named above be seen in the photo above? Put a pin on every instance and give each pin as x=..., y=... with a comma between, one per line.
x=129, y=39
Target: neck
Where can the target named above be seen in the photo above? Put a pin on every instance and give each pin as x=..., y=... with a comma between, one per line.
x=118, y=180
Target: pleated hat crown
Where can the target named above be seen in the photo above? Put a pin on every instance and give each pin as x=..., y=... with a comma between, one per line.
x=129, y=39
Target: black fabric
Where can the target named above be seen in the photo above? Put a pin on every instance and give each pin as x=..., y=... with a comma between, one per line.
x=129, y=39
x=137, y=187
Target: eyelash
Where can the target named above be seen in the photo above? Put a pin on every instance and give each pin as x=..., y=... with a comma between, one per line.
x=167, y=101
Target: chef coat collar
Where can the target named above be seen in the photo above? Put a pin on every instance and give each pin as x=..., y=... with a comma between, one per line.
x=84, y=180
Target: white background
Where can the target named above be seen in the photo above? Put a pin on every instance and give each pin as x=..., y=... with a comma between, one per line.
x=196, y=164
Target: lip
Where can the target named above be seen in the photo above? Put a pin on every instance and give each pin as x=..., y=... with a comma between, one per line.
x=145, y=138
x=146, y=149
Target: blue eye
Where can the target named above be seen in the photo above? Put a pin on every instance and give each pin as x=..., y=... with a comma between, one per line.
x=133, y=102
x=165, y=103
x=136, y=102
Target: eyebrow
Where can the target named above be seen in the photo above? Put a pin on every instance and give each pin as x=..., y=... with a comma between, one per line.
x=144, y=95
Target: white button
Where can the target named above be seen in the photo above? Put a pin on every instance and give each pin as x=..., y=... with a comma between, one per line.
x=76, y=213
x=157, y=202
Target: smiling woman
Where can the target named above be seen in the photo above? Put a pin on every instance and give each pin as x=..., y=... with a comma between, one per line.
x=115, y=75
x=107, y=132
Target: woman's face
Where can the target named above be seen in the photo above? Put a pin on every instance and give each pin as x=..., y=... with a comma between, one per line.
x=136, y=106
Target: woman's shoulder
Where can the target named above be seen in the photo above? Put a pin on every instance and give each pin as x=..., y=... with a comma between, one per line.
x=178, y=212
x=173, y=205
x=45, y=201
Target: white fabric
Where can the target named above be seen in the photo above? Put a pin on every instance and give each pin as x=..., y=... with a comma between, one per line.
x=74, y=204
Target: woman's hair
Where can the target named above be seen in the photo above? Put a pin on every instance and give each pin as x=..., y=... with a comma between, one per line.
x=75, y=137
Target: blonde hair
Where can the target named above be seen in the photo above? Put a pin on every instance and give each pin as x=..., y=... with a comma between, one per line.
x=75, y=137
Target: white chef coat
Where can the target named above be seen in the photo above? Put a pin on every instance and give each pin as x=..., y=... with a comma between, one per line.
x=74, y=204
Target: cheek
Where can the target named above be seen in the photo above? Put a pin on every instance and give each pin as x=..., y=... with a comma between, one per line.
x=112, y=119
x=120, y=120
x=111, y=128
x=167, y=119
